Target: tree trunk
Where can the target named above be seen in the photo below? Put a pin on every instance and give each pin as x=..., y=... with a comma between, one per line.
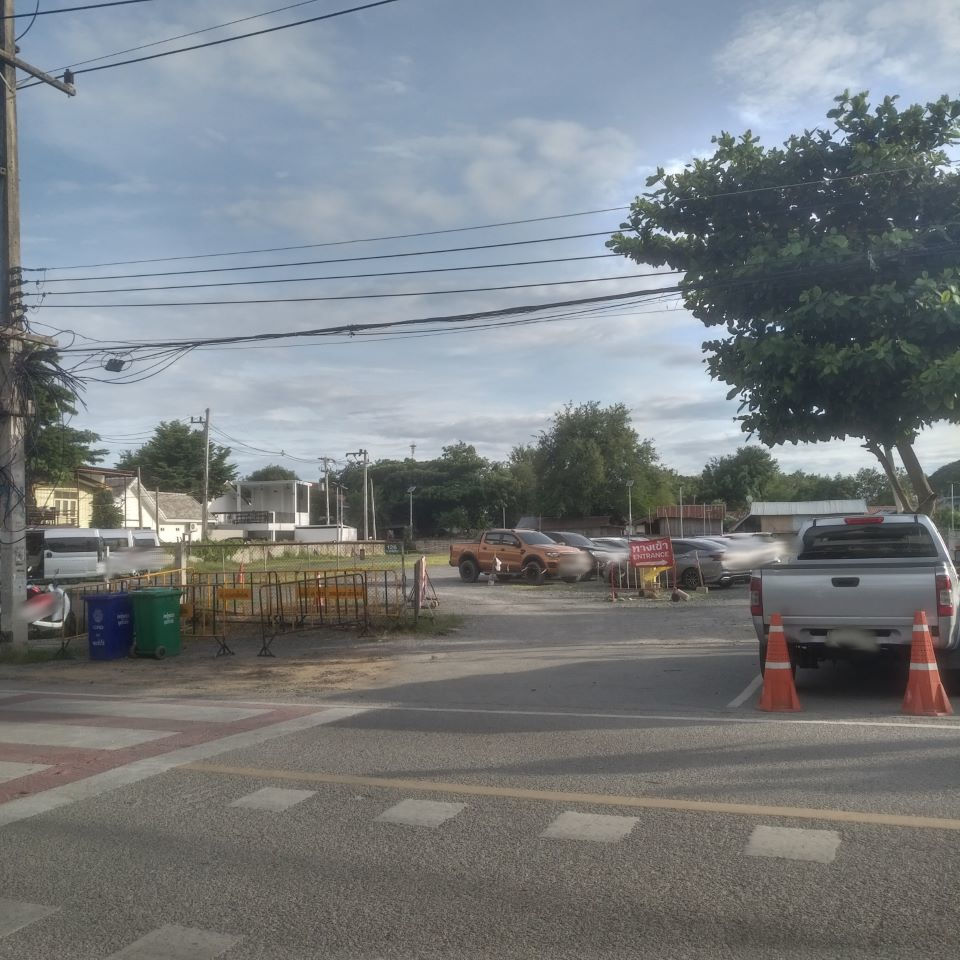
x=885, y=456
x=926, y=497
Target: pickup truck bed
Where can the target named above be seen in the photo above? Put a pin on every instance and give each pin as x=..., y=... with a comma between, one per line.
x=835, y=607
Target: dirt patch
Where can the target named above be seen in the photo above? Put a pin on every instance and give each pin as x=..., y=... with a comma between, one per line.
x=305, y=664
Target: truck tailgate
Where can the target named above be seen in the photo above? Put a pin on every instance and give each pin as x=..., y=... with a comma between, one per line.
x=816, y=598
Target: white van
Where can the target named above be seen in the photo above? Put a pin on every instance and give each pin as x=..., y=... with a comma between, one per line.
x=73, y=553
x=117, y=540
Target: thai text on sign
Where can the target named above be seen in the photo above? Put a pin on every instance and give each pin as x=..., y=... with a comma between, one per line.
x=651, y=553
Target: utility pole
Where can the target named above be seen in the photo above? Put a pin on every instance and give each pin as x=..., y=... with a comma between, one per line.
x=13, y=336
x=205, y=420
x=373, y=510
x=630, y=507
x=410, y=491
x=366, y=490
x=326, y=483
x=139, y=500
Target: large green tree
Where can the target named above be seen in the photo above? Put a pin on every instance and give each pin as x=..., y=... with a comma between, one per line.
x=272, y=471
x=749, y=474
x=829, y=268
x=585, y=458
x=105, y=513
x=172, y=460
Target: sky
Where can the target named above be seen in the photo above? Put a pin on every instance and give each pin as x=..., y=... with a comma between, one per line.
x=417, y=116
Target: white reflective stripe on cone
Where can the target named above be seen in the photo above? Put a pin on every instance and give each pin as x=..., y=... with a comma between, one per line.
x=916, y=666
x=778, y=665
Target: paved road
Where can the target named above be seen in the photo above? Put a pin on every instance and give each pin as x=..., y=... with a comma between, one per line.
x=563, y=777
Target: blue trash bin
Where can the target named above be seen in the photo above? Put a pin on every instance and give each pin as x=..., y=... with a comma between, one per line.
x=109, y=625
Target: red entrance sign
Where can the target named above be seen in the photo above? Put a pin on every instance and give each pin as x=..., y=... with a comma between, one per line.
x=651, y=553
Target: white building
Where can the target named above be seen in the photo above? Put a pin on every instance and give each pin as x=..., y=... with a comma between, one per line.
x=788, y=516
x=264, y=509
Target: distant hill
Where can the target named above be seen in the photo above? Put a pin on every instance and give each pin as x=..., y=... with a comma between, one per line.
x=941, y=479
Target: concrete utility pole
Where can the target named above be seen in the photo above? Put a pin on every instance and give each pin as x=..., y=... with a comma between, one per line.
x=13, y=336
x=366, y=490
x=373, y=510
x=630, y=506
x=205, y=420
x=139, y=500
x=326, y=483
x=410, y=491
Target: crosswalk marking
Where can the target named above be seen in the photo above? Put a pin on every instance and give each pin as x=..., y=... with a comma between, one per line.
x=74, y=735
x=598, y=827
x=13, y=771
x=421, y=813
x=177, y=943
x=793, y=843
x=15, y=915
x=273, y=799
x=139, y=711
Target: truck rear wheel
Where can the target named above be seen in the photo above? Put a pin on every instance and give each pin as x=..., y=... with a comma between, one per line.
x=533, y=574
x=469, y=571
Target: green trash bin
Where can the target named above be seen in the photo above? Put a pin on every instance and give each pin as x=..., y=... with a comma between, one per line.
x=156, y=622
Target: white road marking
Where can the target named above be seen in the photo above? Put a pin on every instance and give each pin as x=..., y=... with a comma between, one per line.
x=14, y=916
x=598, y=827
x=25, y=807
x=654, y=717
x=14, y=771
x=744, y=695
x=421, y=813
x=177, y=943
x=792, y=843
x=70, y=735
x=139, y=711
x=274, y=799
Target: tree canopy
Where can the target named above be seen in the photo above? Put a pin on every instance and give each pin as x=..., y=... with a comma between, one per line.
x=172, y=460
x=829, y=267
x=272, y=471
x=104, y=511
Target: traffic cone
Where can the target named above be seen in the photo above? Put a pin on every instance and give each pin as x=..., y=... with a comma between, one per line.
x=779, y=693
x=925, y=696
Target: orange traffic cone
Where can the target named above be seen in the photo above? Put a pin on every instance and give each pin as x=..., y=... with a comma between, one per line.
x=925, y=696
x=779, y=693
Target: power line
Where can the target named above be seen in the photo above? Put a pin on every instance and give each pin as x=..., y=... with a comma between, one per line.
x=747, y=191
x=343, y=276
x=315, y=263
x=348, y=296
x=239, y=36
x=179, y=36
x=86, y=6
x=255, y=449
x=29, y=26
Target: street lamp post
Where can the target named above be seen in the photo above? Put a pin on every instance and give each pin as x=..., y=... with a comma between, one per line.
x=630, y=507
x=410, y=494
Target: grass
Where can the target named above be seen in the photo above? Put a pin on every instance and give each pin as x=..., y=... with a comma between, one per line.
x=9, y=654
x=430, y=624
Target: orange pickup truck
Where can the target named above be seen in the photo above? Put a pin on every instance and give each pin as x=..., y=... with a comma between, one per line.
x=528, y=554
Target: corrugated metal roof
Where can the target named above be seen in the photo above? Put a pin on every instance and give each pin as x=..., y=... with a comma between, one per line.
x=790, y=508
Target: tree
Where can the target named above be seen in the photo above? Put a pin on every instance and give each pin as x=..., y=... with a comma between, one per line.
x=172, y=460
x=272, y=471
x=830, y=265
x=583, y=463
x=736, y=479
x=947, y=474
x=54, y=449
x=105, y=513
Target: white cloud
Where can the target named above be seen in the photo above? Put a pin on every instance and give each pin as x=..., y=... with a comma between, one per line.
x=781, y=58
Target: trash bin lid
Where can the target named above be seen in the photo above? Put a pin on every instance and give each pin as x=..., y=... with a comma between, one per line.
x=119, y=595
x=157, y=592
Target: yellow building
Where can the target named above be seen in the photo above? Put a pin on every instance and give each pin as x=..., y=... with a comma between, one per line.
x=69, y=503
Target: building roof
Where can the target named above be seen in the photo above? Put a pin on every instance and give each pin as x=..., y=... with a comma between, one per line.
x=179, y=506
x=790, y=508
x=693, y=511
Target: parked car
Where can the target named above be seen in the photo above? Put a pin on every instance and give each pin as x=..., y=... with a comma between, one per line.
x=699, y=561
x=601, y=556
x=855, y=587
x=522, y=553
x=753, y=550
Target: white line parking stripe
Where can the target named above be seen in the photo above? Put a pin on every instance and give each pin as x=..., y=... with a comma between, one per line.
x=14, y=916
x=177, y=943
x=74, y=735
x=25, y=807
x=14, y=771
x=139, y=711
x=273, y=799
x=598, y=827
x=421, y=813
x=793, y=843
x=745, y=695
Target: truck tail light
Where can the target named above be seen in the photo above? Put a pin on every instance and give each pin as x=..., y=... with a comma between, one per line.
x=756, y=597
x=944, y=596
x=859, y=521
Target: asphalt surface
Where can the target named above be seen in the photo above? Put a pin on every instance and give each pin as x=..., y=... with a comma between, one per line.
x=464, y=809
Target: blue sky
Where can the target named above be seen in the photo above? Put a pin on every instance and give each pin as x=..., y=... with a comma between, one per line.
x=425, y=115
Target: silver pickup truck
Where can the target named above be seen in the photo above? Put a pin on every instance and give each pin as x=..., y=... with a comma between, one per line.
x=855, y=586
